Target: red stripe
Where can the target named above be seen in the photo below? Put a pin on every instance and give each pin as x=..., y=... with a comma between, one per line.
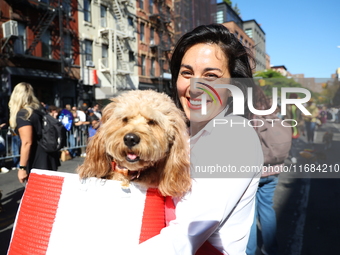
x=153, y=215
x=36, y=216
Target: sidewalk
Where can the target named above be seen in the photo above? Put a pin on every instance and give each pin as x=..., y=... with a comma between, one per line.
x=70, y=166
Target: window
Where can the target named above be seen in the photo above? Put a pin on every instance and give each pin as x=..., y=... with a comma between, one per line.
x=219, y=17
x=87, y=10
x=68, y=46
x=249, y=32
x=46, y=47
x=131, y=56
x=236, y=34
x=241, y=39
x=143, y=64
x=151, y=6
x=130, y=21
x=67, y=8
x=88, y=50
x=141, y=4
x=105, y=55
x=142, y=31
x=160, y=36
x=152, y=35
x=103, y=16
x=20, y=42
x=152, y=70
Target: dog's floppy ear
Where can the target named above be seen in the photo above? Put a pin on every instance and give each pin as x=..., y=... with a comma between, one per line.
x=97, y=162
x=176, y=179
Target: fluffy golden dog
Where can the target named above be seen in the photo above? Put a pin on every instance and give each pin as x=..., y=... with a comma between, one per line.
x=142, y=138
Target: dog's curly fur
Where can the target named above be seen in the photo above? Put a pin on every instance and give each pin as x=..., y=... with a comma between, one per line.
x=144, y=132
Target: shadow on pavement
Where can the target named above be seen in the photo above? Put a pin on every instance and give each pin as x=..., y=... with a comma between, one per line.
x=7, y=217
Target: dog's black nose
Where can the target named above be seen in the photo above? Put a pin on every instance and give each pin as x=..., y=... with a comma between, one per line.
x=131, y=139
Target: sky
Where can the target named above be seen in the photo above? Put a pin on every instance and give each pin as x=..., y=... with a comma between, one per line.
x=302, y=35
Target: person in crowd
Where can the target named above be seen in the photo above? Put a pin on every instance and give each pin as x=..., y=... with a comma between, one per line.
x=94, y=125
x=25, y=119
x=294, y=113
x=82, y=113
x=83, y=117
x=323, y=114
x=68, y=107
x=218, y=212
x=53, y=111
x=310, y=120
x=97, y=111
x=74, y=135
x=265, y=214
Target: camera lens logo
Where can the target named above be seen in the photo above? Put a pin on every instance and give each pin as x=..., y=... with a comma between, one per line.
x=204, y=96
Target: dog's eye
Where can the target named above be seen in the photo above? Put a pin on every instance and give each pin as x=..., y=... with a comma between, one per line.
x=125, y=120
x=152, y=122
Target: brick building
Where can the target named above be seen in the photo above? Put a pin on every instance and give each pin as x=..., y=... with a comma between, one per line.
x=39, y=44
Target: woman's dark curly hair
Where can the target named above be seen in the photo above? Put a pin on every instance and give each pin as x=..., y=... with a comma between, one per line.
x=238, y=56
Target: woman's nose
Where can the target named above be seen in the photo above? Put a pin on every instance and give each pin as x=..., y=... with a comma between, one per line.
x=195, y=92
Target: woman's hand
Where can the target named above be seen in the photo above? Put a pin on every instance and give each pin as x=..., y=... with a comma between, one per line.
x=22, y=176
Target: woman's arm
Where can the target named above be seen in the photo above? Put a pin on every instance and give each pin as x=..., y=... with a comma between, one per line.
x=220, y=207
x=26, y=136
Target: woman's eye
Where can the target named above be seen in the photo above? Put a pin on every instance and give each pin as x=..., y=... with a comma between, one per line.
x=211, y=77
x=186, y=73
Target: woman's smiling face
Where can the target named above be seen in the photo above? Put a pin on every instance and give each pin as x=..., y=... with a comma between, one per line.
x=205, y=61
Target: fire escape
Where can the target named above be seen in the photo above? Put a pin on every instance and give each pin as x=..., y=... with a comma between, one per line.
x=48, y=15
x=116, y=66
x=162, y=20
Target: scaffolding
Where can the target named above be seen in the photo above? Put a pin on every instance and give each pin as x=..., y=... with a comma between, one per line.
x=116, y=68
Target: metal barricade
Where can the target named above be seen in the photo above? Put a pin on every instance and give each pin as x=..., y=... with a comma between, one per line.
x=75, y=138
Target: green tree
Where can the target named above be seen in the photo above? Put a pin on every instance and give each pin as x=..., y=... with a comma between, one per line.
x=228, y=2
x=269, y=79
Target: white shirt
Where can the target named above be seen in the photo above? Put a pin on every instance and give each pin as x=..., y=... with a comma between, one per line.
x=220, y=207
x=81, y=115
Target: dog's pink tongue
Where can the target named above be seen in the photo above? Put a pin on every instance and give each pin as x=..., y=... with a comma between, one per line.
x=132, y=156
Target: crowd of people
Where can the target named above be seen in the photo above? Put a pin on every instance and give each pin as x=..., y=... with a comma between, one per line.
x=23, y=130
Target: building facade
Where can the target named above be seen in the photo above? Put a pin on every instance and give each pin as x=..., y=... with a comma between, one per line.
x=241, y=35
x=226, y=14
x=190, y=14
x=108, y=46
x=155, y=28
x=39, y=45
x=254, y=31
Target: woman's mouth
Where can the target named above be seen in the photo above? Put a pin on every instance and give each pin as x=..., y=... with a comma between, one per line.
x=195, y=104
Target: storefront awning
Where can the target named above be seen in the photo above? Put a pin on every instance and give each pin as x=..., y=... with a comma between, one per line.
x=32, y=72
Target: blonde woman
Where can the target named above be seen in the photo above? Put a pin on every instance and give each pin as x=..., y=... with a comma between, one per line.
x=25, y=119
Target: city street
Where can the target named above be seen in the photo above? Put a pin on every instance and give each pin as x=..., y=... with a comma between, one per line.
x=307, y=208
